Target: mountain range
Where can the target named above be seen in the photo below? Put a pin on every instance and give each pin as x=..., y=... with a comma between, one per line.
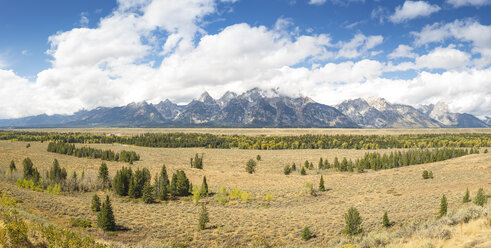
x=259, y=108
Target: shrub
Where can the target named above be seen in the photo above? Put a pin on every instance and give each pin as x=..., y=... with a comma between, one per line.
x=245, y=197
x=96, y=203
x=310, y=188
x=430, y=174
x=303, y=172
x=80, y=223
x=12, y=167
x=203, y=218
x=443, y=206
x=385, y=220
x=258, y=157
x=250, y=166
x=425, y=174
x=321, y=185
x=352, y=222
x=287, y=170
x=480, y=199
x=467, y=197
x=196, y=195
x=235, y=194
x=306, y=235
x=268, y=197
x=105, y=218
x=294, y=167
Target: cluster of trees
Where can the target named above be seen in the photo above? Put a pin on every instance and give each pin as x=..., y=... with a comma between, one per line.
x=70, y=149
x=378, y=161
x=176, y=140
x=137, y=184
x=197, y=162
x=427, y=174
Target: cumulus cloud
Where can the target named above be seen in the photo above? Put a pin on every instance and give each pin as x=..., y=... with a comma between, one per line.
x=122, y=59
x=462, y=30
x=317, y=2
x=460, y=3
x=413, y=9
x=402, y=51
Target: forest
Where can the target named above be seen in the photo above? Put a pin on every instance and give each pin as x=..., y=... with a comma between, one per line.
x=181, y=140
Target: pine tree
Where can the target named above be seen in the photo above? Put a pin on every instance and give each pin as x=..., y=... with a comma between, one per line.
x=258, y=157
x=204, y=187
x=105, y=218
x=443, y=206
x=96, y=203
x=306, y=234
x=303, y=172
x=28, y=168
x=122, y=181
x=250, y=166
x=321, y=185
x=179, y=184
x=385, y=220
x=353, y=222
x=203, y=218
x=467, y=197
x=294, y=167
x=480, y=199
x=163, y=184
x=148, y=194
x=103, y=175
x=321, y=164
x=12, y=167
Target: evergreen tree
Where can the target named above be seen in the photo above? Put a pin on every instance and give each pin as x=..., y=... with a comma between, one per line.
x=425, y=174
x=321, y=164
x=258, y=157
x=12, y=167
x=321, y=185
x=105, y=218
x=28, y=168
x=443, y=206
x=148, y=194
x=467, y=197
x=162, y=187
x=96, y=203
x=287, y=170
x=103, y=175
x=197, y=162
x=385, y=220
x=179, y=184
x=353, y=222
x=303, y=172
x=336, y=163
x=306, y=164
x=250, y=166
x=140, y=178
x=204, y=187
x=306, y=234
x=122, y=180
x=294, y=167
x=203, y=218
x=480, y=199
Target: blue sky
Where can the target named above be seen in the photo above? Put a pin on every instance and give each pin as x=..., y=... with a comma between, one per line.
x=67, y=55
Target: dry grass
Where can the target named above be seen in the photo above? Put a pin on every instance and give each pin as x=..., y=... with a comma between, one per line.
x=266, y=131
x=402, y=192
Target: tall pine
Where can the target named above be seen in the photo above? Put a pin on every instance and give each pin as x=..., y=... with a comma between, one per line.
x=105, y=218
x=321, y=185
x=204, y=187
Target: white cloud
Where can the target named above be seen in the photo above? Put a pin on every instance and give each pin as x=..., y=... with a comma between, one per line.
x=402, y=51
x=413, y=9
x=464, y=31
x=317, y=2
x=358, y=46
x=447, y=58
x=84, y=20
x=460, y=3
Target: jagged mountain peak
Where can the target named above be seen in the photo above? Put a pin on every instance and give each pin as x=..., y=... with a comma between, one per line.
x=378, y=103
x=206, y=98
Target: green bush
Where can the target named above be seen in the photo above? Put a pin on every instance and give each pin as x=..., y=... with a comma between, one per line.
x=481, y=198
x=425, y=174
x=80, y=223
x=385, y=220
x=306, y=234
x=287, y=170
x=322, y=188
x=250, y=166
x=96, y=203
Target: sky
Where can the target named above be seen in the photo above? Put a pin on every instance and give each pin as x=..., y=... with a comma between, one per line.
x=58, y=56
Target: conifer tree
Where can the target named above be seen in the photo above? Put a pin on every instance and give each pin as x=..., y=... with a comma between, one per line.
x=303, y=172
x=321, y=185
x=103, y=175
x=122, y=180
x=294, y=167
x=28, y=168
x=385, y=220
x=443, y=206
x=467, y=197
x=480, y=199
x=204, y=187
x=430, y=174
x=321, y=164
x=203, y=218
x=179, y=184
x=162, y=188
x=96, y=203
x=12, y=167
x=148, y=194
x=352, y=222
x=251, y=166
x=258, y=157
x=425, y=174
x=105, y=218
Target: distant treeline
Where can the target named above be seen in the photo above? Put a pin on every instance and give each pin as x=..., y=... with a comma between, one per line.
x=70, y=149
x=176, y=140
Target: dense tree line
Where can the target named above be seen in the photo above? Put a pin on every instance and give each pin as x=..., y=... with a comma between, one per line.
x=394, y=159
x=176, y=140
x=84, y=152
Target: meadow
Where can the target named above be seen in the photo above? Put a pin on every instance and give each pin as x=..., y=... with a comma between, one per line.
x=279, y=205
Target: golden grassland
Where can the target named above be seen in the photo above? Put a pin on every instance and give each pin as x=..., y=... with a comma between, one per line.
x=401, y=192
x=264, y=131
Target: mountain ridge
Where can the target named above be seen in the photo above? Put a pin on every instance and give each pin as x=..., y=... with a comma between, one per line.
x=258, y=108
